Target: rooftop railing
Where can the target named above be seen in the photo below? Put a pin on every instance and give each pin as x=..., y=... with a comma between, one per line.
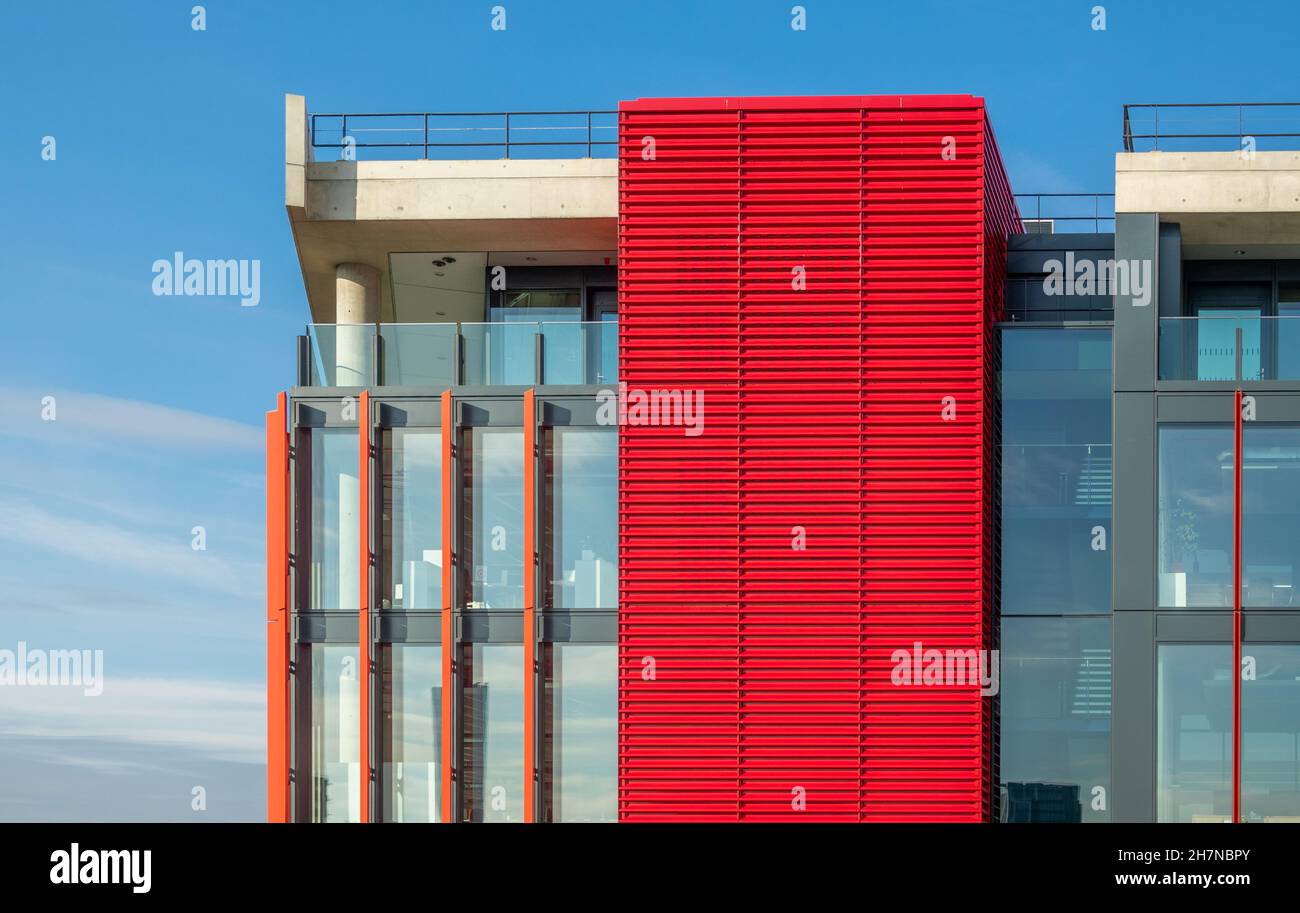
x=1075, y=212
x=443, y=355
x=1212, y=127
x=470, y=135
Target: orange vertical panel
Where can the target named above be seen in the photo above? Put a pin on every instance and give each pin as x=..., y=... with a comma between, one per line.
x=448, y=644
x=530, y=607
x=363, y=614
x=277, y=614
x=1239, y=459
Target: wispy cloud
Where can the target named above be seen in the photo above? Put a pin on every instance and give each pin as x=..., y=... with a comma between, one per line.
x=224, y=720
x=113, y=546
x=93, y=417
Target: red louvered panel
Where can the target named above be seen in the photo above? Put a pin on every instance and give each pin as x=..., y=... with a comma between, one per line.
x=923, y=258
x=798, y=603
x=817, y=268
x=678, y=497
x=1001, y=218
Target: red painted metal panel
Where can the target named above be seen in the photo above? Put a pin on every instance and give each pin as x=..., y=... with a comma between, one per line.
x=277, y=613
x=1239, y=459
x=448, y=757
x=365, y=451
x=530, y=606
x=818, y=268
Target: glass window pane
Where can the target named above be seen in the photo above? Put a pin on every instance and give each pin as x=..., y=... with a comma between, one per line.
x=1223, y=308
x=1056, y=471
x=492, y=745
x=538, y=304
x=580, y=518
x=333, y=524
x=1194, y=733
x=1270, y=515
x=606, y=341
x=580, y=732
x=1270, y=733
x=412, y=738
x=1216, y=344
x=1196, y=516
x=334, y=732
x=411, y=551
x=1054, y=754
x=492, y=574
x=1288, y=331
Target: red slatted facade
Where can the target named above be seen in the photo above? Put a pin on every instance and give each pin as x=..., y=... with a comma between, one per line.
x=755, y=675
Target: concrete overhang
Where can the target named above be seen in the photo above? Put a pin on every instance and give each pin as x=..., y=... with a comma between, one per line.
x=360, y=212
x=1217, y=197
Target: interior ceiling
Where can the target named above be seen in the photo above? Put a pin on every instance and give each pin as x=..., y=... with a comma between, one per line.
x=1241, y=251
x=553, y=258
x=437, y=287
x=448, y=286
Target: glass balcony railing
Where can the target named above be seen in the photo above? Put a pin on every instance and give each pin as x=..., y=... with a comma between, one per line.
x=1233, y=347
x=341, y=355
x=521, y=353
x=418, y=354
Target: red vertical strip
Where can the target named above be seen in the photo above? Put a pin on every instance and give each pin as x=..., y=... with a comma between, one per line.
x=756, y=699
x=363, y=615
x=530, y=607
x=448, y=641
x=277, y=614
x=1237, y=464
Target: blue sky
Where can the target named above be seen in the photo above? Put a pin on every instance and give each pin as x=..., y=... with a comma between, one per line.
x=170, y=139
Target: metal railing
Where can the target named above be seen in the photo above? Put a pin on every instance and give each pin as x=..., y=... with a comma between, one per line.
x=1069, y=208
x=1228, y=123
x=1229, y=348
x=441, y=355
x=504, y=134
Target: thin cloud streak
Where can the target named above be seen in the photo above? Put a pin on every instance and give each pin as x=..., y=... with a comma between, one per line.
x=99, y=417
x=112, y=546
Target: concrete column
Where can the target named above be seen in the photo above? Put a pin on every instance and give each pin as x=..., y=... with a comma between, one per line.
x=356, y=310
x=356, y=304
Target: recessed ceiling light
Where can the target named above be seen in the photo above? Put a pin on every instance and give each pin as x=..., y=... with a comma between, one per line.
x=1239, y=253
x=439, y=262
x=440, y=313
x=531, y=259
x=449, y=259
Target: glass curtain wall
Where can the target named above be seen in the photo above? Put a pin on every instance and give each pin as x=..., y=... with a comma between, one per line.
x=1055, y=569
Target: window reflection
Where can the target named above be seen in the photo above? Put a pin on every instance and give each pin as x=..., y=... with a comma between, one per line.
x=1196, y=515
x=412, y=732
x=492, y=575
x=580, y=518
x=333, y=527
x=1056, y=471
x=1055, y=694
x=580, y=732
x=1270, y=733
x=515, y=350
x=1270, y=516
x=333, y=720
x=1194, y=733
x=492, y=747
x=412, y=524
